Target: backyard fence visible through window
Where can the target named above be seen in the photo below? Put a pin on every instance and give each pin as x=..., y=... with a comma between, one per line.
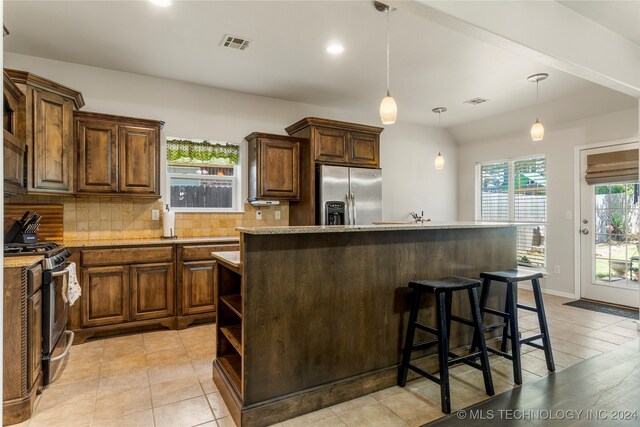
x=203, y=175
x=516, y=190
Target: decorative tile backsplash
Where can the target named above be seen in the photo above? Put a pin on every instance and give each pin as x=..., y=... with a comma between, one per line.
x=97, y=218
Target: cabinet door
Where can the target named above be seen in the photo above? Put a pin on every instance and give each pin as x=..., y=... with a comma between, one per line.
x=34, y=337
x=197, y=287
x=364, y=149
x=105, y=295
x=52, y=142
x=279, y=169
x=330, y=145
x=152, y=291
x=138, y=161
x=97, y=147
x=14, y=146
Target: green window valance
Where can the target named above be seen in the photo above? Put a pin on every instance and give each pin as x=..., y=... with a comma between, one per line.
x=198, y=152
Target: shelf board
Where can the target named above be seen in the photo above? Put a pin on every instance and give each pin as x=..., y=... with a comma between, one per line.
x=232, y=365
x=234, y=302
x=234, y=334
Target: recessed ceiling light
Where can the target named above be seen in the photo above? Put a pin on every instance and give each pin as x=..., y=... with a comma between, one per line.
x=161, y=3
x=335, y=49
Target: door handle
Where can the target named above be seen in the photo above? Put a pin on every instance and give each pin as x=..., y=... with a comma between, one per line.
x=350, y=216
x=584, y=231
x=353, y=206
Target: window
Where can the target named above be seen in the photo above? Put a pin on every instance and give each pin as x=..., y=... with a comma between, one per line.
x=203, y=175
x=516, y=190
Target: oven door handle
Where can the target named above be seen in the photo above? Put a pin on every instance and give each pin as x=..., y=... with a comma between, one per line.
x=70, y=337
x=61, y=272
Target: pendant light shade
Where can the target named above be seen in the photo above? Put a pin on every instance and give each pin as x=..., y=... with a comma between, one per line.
x=388, y=110
x=537, y=131
x=388, y=106
x=439, y=162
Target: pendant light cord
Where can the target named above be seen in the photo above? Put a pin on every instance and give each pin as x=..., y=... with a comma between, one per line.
x=537, y=100
x=388, y=11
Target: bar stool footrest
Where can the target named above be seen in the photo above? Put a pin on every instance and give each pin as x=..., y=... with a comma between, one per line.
x=500, y=353
x=527, y=307
x=494, y=326
x=426, y=328
x=462, y=320
x=424, y=373
x=423, y=345
x=496, y=312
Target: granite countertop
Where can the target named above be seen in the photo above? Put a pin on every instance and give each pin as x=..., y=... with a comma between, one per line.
x=21, y=261
x=230, y=257
x=389, y=226
x=145, y=242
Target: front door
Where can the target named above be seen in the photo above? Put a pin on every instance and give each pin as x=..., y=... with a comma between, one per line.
x=609, y=258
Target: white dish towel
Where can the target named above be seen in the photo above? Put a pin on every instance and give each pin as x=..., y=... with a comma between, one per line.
x=71, y=290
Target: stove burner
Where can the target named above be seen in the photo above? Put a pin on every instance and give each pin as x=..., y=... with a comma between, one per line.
x=29, y=248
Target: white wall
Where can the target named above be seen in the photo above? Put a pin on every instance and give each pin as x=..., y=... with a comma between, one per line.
x=558, y=147
x=195, y=111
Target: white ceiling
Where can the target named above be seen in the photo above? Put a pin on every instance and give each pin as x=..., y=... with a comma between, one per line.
x=621, y=17
x=430, y=65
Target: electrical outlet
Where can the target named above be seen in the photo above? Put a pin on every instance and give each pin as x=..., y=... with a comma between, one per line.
x=259, y=214
x=155, y=215
x=277, y=214
x=556, y=269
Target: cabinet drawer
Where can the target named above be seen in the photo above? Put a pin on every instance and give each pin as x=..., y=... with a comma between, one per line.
x=126, y=256
x=203, y=252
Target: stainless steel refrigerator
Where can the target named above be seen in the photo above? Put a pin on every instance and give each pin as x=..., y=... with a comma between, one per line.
x=350, y=196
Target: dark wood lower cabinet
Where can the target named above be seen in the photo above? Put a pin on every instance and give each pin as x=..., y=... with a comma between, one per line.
x=132, y=288
x=22, y=341
x=152, y=289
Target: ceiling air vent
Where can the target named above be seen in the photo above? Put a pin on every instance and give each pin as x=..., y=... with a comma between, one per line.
x=476, y=101
x=234, y=42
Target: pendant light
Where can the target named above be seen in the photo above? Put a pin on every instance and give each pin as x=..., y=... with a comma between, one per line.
x=537, y=130
x=439, y=162
x=388, y=106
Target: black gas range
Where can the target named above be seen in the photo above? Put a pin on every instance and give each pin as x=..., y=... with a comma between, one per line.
x=56, y=341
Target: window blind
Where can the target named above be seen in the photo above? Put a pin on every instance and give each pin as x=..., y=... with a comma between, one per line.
x=516, y=190
x=616, y=166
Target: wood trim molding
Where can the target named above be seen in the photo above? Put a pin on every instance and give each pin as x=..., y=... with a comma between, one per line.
x=33, y=80
x=328, y=123
x=80, y=115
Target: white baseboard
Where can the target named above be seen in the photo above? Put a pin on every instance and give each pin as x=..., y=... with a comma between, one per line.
x=527, y=286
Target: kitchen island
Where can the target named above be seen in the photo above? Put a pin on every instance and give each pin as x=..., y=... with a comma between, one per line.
x=312, y=316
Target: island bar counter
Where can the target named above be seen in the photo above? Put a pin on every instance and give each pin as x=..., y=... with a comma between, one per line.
x=309, y=317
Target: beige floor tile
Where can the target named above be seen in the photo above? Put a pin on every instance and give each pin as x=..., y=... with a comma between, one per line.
x=627, y=324
x=573, y=349
x=207, y=384
x=162, y=373
x=476, y=379
x=503, y=370
x=559, y=357
x=183, y=414
x=122, y=350
x=157, y=341
x=81, y=392
x=370, y=415
x=328, y=422
x=203, y=365
x=226, y=422
x=609, y=337
x=122, y=383
x=536, y=365
x=203, y=349
x=87, y=371
x=414, y=409
x=167, y=356
x=85, y=353
x=71, y=415
x=620, y=330
x=308, y=419
x=133, y=340
x=138, y=419
x=594, y=343
x=350, y=405
x=117, y=404
x=126, y=365
x=175, y=391
x=218, y=406
x=387, y=393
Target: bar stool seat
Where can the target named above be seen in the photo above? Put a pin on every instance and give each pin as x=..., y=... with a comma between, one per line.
x=509, y=325
x=443, y=290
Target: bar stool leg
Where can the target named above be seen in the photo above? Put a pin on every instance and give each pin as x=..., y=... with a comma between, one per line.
x=484, y=295
x=478, y=334
x=512, y=302
x=443, y=352
x=544, y=329
x=505, y=329
x=408, y=343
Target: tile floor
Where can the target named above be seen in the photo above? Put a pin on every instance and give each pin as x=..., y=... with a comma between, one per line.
x=163, y=378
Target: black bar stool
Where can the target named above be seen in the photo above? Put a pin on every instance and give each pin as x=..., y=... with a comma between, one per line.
x=443, y=289
x=510, y=315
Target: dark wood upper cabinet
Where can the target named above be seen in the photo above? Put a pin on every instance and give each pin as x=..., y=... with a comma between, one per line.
x=15, y=177
x=117, y=155
x=329, y=142
x=274, y=167
x=152, y=291
x=139, y=161
x=49, y=131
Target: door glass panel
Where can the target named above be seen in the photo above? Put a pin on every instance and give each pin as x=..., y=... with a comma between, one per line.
x=616, y=234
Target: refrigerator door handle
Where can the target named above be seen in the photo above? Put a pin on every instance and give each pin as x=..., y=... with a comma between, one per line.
x=353, y=208
x=346, y=195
